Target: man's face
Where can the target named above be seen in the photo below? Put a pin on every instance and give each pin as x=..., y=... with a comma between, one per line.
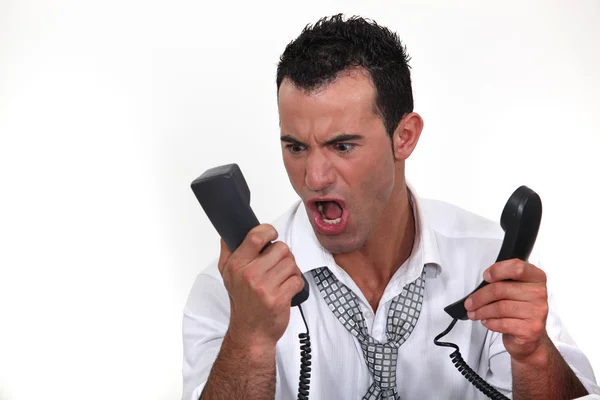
x=338, y=157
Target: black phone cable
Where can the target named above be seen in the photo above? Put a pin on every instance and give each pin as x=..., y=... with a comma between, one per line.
x=305, y=362
x=464, y=368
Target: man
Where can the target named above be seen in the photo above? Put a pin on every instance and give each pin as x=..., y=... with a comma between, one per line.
x=347, y=127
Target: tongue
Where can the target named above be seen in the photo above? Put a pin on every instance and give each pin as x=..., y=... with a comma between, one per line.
x=332, y=210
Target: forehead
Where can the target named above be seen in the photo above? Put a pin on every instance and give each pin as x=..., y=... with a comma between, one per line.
x=344, y=104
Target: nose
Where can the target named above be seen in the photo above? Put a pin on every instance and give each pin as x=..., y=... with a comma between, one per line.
x=319, y=173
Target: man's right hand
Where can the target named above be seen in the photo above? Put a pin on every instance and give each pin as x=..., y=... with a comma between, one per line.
x=260, y=286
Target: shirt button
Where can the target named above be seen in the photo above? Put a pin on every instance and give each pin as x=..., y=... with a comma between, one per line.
x=368, y=314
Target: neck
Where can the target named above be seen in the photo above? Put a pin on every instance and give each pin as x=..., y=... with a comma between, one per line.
x=387, y=248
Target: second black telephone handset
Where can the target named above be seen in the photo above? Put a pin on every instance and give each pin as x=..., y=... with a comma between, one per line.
x=520, y=221
x=225, y=197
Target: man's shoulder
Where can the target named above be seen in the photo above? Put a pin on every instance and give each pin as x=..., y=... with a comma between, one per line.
x=453, y=221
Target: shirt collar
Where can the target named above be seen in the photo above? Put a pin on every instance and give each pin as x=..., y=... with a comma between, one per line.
x=309, y=253
x=425, y=243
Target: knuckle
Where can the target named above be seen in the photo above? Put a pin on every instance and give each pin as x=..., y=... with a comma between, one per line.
x=520, y=269
x=300, y=283
x=271, y=304
x=538, y=328
x=543, y=293
x=271, y=231
x=290, y=263
x=233, y=265
x=255, y=239
x=497, y=290
x=281, y=249
x=248, y=275
x=261, y=292
x=265, y=232
x=540, y=293
x=289, y=267
x=543, y=274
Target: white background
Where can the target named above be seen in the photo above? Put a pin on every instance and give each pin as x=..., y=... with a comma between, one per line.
x=109, y=109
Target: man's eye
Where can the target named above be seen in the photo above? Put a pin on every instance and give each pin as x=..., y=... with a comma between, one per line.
x=295, y=148
x=344, y=147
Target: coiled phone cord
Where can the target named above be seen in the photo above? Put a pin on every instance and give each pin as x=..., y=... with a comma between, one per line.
x=305, y=362
x=464, y=368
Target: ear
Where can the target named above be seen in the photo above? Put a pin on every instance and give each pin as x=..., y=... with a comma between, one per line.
x=406, y=135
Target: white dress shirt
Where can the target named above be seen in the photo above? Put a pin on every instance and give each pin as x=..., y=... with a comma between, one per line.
x=453, y=245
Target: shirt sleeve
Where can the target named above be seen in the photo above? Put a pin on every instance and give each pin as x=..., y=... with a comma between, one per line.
x=205, y=322
x=565, y=344
x=499, y=373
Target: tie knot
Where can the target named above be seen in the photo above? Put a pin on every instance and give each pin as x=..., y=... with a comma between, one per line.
x=381, y=360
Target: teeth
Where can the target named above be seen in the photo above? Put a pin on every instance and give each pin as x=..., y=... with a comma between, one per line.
x=328, y=221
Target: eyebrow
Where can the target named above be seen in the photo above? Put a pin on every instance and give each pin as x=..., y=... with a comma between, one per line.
x=341, y=138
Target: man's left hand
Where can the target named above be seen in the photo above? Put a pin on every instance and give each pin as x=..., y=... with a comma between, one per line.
x=517, y=308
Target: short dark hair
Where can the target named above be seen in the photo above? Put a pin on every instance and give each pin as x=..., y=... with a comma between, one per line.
x=332, y=45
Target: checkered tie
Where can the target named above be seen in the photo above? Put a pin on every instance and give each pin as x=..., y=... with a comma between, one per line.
x=381, y=358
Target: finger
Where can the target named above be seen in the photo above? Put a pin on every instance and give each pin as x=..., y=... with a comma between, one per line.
x=505, y=309
x=253, y=243
x=223, y=256
x=275, y=254
x=281, y=272
x=507, y=290
x=256, y=271
x=516, y=270
x=513, y=326
x=291, y=287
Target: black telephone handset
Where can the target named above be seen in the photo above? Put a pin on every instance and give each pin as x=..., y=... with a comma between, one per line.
x=520, y=221
x=225, y=197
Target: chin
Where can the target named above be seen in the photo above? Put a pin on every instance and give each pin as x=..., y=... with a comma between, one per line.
x=338, y=244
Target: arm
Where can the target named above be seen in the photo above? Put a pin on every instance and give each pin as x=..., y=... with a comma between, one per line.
x=241, y=357
x=545, y=375
x=241, y=371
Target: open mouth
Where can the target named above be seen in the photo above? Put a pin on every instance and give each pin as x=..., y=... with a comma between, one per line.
x=329, y=216
x=331, y=211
